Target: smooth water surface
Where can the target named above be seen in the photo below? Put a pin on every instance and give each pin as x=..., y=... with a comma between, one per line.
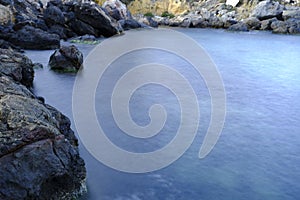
x=258, y=154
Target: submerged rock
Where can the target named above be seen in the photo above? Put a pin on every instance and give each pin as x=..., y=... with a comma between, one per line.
x=39, y=156
x=66, y=59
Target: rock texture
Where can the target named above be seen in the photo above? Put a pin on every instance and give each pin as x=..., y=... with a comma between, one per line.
x=31, y=25
x=39, y=156
x=66, y=59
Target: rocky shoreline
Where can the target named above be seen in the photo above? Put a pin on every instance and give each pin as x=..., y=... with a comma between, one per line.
x=271, y=15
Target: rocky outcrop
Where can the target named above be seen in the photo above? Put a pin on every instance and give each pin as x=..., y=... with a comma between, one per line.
x=31, y=25
x=267, y=10
x=39, y=156
x=66, y=59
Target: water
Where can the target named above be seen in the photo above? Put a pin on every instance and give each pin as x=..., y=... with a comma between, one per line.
x=258, y=153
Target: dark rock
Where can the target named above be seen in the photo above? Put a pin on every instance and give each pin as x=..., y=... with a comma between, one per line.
x=129, y=24
x=53, y=16
x=6, y=2
x=253, y=23
x=59, y=30
x=66, y=59
x=7, y=45
x=81, y=28
x=293, y=25
x=268, y=9
x=33, y=38
x=93, y=15
x=279, y=27
x=39, y=156
x=17, y=66
x=150, y=22
x=240, y=26
x=25, y=11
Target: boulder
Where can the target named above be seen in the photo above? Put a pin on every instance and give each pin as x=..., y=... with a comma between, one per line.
x=240, y=26
x=53, y=15
x=116, y=9
x=147, y=20
x=29, y=37
x=268, y=9
x=266, y=24
x=279, y=27
x=129, y=24
x=39, y=156
x=66, y=59
x=253, y=23
x=17, y=66
x=93, y=15
x=287, y=14
x=293, y=25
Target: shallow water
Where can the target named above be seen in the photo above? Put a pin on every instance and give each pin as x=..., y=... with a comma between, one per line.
x=258, y=153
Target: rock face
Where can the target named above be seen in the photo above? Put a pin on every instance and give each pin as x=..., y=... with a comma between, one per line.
x=66, y=59
x=39, y=156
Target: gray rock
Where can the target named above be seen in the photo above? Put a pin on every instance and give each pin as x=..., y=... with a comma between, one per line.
x=93, y=15
x=253, y=23
x=267, y=9
x=39, y=156
x=17, y=66
x=34, y=38
x=287, y=14
x=279, y=27
x=266, y=24
x=240, y=26
x=66, y=59
x=129, y=24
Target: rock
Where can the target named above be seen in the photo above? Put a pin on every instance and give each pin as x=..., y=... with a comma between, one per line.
x=129, y=24
x=116, y=9
x=147, y=20
x=66, y=59
x=93, y=15
x=59, y=30
x=7, y=45
x=293, y=25
x=266, y=24
x=253, y=23
x=5, y=2
x=53, y=16
x=240, y=26
x=287, y=14
x=25, y=11
x=39, y=156
x=81, y=28
x=215, y=22
x=279, y=27
x=6, y=15
x=34, y=38
x=268, y=9
x=17, y=66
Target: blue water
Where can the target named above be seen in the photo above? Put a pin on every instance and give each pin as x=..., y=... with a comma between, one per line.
x=258, y=154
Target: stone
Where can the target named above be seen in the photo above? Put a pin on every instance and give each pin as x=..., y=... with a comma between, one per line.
x=240, y=26
x=268, y=9
x=16, y=66
x=279, y=27
x=93, y=15
x=287, y=14
x=66, y=59
x=129, y=24
x=116, y=9
x=53, y=15
x=34, y=38
x=253, y=23
x=6, y=15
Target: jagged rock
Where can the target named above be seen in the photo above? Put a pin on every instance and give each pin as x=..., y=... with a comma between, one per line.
x=17, y=66
x=293, y=25
x=253, y=23
x=279, y=27
x=147, y=20
x=66, y=59
x=116, y=9
x=240, y=26
x=39, y=156
x=268, y=9
x=34, y=38
x=93, y=15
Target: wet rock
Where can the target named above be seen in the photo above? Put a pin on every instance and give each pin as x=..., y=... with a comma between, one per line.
x=16, y=66
x=240, y=26
x=268, y=9
x=34, y=38
x=66, y=59
x=93, y=15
